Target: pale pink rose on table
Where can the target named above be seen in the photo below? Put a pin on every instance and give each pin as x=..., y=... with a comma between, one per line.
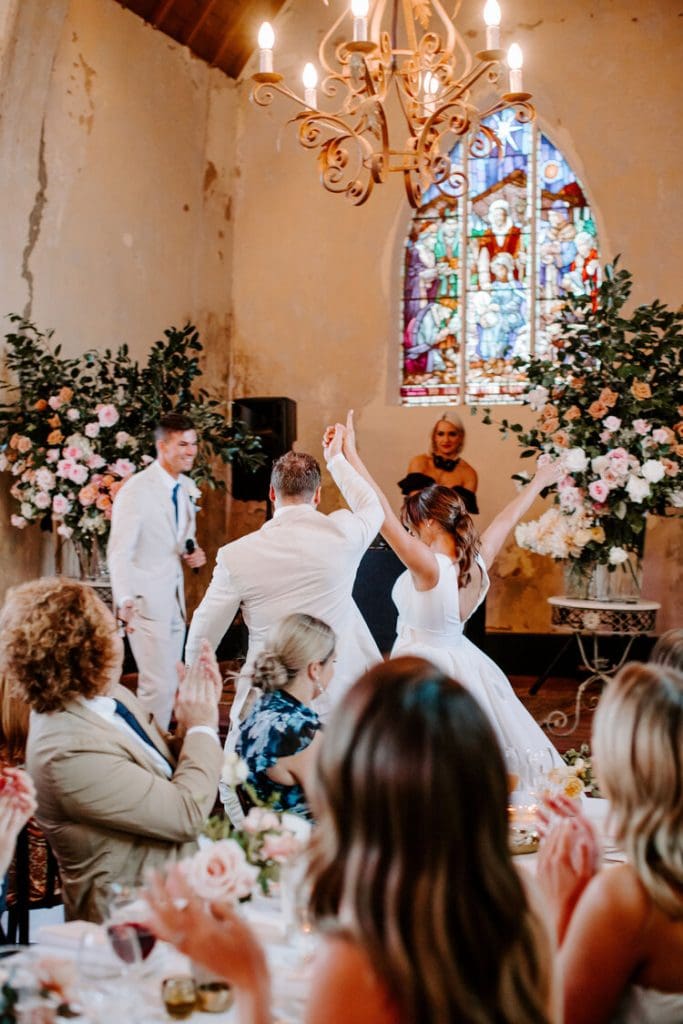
x=42, y=500
x=60, y=505
x=95, y=462
x=641, y=427
x=92, y=429
x=122, y=467
x=663, y=435
x=54, y=401
x=260, y=819
x=107, y=415
x=122, y=438
x=18, y=521
x=605, y=436
x=611, y=478
x=52, y=454
x=598, y=491
x=64, y=531
x=45, y=479
x=280, y=846
x=73, y=415
x=24, y=444
x=78, y=473
x=220, y=872
x=72, y=451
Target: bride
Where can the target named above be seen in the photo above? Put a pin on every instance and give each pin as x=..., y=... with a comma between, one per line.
x=446, y=580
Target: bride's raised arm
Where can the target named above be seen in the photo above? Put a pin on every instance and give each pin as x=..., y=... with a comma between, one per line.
x=493, y=537
x=416, y=556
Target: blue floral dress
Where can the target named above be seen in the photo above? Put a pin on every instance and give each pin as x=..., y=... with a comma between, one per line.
x=278, y=725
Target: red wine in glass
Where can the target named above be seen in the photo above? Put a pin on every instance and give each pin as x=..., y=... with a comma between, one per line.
x=120, y=936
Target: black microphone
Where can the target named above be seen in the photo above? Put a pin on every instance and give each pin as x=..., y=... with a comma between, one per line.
x=189, y=547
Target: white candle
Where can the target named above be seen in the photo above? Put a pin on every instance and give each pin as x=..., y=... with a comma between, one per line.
x=431, y=88
x=492, y=19
x=266, y=41
x=515, y=61
x=359, y=9
x=310, y=80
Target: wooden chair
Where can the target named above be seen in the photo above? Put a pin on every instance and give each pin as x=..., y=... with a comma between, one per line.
x=33, y=882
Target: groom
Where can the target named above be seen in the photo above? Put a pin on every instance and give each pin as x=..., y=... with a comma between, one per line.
x=299, y=561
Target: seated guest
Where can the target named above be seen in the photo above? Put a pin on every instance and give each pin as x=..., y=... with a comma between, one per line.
x=621, y=929
x=424, y=918
x=113, y=796
x=279, y=739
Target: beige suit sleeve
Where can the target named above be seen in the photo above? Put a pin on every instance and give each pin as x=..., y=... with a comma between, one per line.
x=106, y=787
x=214, y=615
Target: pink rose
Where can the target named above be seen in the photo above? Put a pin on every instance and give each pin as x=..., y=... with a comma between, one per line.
x=64, y=467
x=598, y=491
x=280, y=846
x=45, y=479
x=72, y=451
x=52, y=454
x=73, y=415
x=42, y=500
x=146, y=459
x=611, y=423
x=662, y=435
x=220, y=872
x=64, y=531
x=92, y=429
x=78, y=474
x=641, y=427
x=18, y=521
x=605, y=436
x=60, y=505
x=54, y=401
x=107, y=415
x=95, y=462
x=122, y=467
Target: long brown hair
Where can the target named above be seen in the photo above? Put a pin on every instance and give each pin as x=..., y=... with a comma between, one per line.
x=411, y=852
x=446, y=508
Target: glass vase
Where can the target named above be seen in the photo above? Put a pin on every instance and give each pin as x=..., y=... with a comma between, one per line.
x=92, y=560
x=596, y=581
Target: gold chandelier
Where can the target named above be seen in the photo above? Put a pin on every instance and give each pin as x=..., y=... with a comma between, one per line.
x=390, y=59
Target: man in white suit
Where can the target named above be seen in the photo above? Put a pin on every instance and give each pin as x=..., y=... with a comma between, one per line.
x=152, y=535
x=299, y=561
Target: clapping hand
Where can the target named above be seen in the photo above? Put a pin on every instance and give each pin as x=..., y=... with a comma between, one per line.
x=568, y=859
x=199, y=692
x=17, y=804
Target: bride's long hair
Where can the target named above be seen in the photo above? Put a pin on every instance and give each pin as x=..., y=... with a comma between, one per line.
x=411, y=859
x=446, y=508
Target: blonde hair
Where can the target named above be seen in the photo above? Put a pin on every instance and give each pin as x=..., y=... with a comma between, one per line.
x=669, y=649
x=638, y=745
x=56, y=642
x=454, y=421
x=293, y=643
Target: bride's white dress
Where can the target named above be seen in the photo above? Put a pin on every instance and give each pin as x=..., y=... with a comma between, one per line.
x=429, y=627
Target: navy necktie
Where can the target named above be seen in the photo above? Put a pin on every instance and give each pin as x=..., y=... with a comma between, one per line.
x=132, y=721
x=176, y=488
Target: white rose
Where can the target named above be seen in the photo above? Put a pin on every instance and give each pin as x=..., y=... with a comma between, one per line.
x=576, y=460
x=617, y=556
x=637, y=488
x=676, y=499
x=600, y=464
x=652, y=470
x=235, y=770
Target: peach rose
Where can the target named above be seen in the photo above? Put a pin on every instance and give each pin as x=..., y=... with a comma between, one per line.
x=66, y=394
x=572, y=413
x=103, y=502
x=54, y=421
x=220, y=872
x=577, y=383
x=549, y=426
x=561, y=439
x=87, y=495
x=55, y=437
x=670, y=467
x=40, y=405
x=678, y=427
x=608, y=397
x=640, y=390
x=679, y=450
x=597, y=410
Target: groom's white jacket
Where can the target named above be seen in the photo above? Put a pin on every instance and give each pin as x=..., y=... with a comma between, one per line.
x=299, y=561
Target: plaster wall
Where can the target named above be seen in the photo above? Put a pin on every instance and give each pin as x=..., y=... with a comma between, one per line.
x=117, y=153
x=317, y=282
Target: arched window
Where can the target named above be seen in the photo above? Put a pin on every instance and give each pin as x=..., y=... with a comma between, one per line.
x=492, y=267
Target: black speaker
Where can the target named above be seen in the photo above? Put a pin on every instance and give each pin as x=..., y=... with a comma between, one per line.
x=274, y=421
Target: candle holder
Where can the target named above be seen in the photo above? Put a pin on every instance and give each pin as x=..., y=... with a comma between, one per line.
x=179, y=994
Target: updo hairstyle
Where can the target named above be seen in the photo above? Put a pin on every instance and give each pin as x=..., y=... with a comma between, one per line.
x=293, y=643
x=453, y=421
x=446, y=508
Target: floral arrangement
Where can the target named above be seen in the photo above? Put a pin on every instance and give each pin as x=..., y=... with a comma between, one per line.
x=79, y=427
x=608, y=400
x=256, y=849
x=47, y=984
x=579, y=765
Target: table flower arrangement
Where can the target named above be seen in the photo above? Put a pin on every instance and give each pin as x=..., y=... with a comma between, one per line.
x=608, y=400
x=78, y=427
x=46, y=985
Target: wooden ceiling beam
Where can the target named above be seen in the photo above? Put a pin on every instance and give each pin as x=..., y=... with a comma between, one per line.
x=205, y=11
x=160, y=11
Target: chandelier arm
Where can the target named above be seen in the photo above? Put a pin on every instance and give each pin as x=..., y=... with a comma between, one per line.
x=409, y=22
x=449, y=48
x=263, y=94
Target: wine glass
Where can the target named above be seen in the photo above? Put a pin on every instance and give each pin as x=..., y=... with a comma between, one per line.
x=540, y=763
x=130, y=938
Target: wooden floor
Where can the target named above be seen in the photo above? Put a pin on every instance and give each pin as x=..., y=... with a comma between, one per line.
x=559, y=694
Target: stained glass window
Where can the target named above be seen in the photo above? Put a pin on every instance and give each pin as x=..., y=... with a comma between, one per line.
x=485, y=274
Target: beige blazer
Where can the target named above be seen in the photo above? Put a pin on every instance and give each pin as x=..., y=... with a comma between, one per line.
x=107, y=810
x=144, y=551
